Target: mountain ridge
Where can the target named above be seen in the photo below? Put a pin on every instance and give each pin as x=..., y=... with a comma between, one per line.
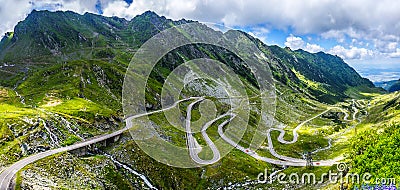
x=55, y=37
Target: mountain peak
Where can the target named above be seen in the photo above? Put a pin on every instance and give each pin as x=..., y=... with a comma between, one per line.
x=151, y=16
x=150, y=13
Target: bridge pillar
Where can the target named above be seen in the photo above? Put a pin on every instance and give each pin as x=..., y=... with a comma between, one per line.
x=80, y=151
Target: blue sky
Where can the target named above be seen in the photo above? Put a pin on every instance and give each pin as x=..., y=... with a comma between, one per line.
x=365, y=33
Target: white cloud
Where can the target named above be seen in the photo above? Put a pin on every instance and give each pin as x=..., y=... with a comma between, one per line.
x=351, y=53
x=176, y=9
x=119, y=9
x=373, y=25
x=294, y=42
x=366, y=21
x=395, y=54
x=338, y=35
x=345, y=53
x=385, y=46
x=383, y=76
x=11, y=12
x=313, y=48
x=298, y=43
x=313, y=16
x=260, y=33
x=78, y=6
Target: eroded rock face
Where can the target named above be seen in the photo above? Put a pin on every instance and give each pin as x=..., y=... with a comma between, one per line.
x=94, y=172
x=38, y=134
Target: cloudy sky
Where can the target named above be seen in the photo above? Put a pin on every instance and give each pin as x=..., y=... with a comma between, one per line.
x=366, y=33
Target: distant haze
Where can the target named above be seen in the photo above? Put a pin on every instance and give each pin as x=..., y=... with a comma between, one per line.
x=378, y=71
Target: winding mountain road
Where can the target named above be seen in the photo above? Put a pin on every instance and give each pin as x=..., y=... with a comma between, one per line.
x=7, y=175
x=266, y=159
x=295, y=137
x=286, y=161
x=191, y=142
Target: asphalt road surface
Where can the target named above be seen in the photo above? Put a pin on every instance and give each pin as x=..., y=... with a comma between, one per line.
x=7, y=175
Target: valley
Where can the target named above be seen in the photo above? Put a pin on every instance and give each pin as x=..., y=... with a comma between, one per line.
x=276, y=159
x=65, y=123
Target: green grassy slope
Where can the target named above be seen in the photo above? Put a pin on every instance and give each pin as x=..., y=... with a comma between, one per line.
x=375, y=148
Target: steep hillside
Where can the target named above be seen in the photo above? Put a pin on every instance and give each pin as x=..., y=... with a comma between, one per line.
x=59, y=37
x=68, y=35
x=385, y=84
x=394, y=87
x=391, y=86
x=375, y=147
x=327, y=77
